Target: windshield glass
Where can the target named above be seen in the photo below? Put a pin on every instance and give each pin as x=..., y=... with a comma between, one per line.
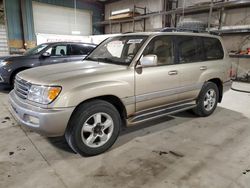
x=36, y=50
x=118, y=50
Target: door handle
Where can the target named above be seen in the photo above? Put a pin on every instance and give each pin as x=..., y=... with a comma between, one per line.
x=173, y=72
x=203, y=68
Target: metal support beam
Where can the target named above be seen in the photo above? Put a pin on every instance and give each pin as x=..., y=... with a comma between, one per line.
x=210, y=15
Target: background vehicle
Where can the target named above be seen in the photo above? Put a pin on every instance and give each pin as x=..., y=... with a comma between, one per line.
x=126, y=80
x=43, y=54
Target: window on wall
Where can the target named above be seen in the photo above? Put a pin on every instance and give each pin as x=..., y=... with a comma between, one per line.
x=213, y=49
x=190, y=49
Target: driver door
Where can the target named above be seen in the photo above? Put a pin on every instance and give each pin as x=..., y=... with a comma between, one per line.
x=158, y=85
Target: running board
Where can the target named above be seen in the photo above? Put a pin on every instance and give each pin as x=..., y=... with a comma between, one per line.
x=154, y=114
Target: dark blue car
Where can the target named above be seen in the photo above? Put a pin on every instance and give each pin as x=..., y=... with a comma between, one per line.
x=43, y=54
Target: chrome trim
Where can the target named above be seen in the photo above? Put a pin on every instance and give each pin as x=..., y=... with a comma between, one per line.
x=168, y=92
x=168, y=110
x=159, y=94
x=192, y=103
x=21, y=88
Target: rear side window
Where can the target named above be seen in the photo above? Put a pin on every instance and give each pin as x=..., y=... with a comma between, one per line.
x=213, y=49
x=190, y=49
x=196, y=49
x=80, y=49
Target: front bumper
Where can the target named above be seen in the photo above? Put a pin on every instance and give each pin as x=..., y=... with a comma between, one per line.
x=227, y=85
x=48, y=122
x=4, y=76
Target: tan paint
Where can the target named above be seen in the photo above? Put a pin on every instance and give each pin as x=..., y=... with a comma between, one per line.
x=138, y=88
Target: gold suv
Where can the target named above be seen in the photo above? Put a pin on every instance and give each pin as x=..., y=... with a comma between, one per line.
x=126, y=80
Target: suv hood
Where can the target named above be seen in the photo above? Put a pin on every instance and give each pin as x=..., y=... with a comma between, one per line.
x=58, y=73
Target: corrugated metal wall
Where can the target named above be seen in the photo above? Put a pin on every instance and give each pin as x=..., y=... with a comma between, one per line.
x=20, y=24
x=14, y=23
x=3, y=41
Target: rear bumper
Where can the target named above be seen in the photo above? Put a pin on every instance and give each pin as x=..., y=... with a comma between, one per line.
x=48, y=122
x=227, y=85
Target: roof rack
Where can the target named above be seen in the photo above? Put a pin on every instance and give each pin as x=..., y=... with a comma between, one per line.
x=173, y=29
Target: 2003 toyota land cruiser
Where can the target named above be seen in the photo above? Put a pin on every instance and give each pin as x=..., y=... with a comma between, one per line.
x=127, y=79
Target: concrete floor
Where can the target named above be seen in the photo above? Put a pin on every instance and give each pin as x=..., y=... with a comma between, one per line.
x=176, y=151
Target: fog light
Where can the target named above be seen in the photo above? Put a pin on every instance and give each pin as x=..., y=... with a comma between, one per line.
x=32, y=119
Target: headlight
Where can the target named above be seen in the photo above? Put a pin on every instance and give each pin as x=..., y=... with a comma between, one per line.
x=43, y=94
x=3, y=63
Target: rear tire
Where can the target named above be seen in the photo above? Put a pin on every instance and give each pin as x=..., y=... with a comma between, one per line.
x=93, y=128
x=207, y=100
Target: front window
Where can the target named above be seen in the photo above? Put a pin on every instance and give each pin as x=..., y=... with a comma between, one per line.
x=58, y=50
x=118, y=50
x=36, y=50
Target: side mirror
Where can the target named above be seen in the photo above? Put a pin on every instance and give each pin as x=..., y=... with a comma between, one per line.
x=148, y=61
x=46, y=54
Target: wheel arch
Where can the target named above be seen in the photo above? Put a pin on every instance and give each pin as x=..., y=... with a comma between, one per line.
x=219, y=84
x=112, y=99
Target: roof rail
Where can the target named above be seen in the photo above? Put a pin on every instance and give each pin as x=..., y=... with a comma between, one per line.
x=173, y=29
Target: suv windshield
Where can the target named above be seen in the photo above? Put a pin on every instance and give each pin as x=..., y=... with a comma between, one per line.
x=118, y=50
x=36, y=50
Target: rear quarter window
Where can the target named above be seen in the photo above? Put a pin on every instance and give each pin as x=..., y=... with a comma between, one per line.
x=213, y=49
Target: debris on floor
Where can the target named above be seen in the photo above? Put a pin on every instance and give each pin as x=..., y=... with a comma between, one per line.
x=246, y=171
x=11, y=153
x=160, y=152
x=177, y=154
x=7, y=118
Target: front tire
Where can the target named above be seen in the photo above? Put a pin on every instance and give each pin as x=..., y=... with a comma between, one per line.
x=93, y=128
x=207, y=100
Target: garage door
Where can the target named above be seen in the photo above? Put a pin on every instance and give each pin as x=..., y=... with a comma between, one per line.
x=50, y=19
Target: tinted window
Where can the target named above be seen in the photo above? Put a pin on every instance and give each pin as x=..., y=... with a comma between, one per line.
x=162, y=46
x=213, y=49
x=80, y=49
x=190, y=49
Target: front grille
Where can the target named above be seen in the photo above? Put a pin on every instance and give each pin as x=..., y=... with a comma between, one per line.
x=21, y=88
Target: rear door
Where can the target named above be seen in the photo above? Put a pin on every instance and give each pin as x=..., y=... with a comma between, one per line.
x=79, y=51
x=198, y=58
x=58, y=54
x=158, y=85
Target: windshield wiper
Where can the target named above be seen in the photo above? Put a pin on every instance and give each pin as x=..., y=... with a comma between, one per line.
x=104, y=59
x=91, y=59
x=108, y=60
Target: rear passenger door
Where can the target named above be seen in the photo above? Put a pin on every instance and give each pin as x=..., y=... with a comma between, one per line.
x=198, y=59
x=79, y=51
